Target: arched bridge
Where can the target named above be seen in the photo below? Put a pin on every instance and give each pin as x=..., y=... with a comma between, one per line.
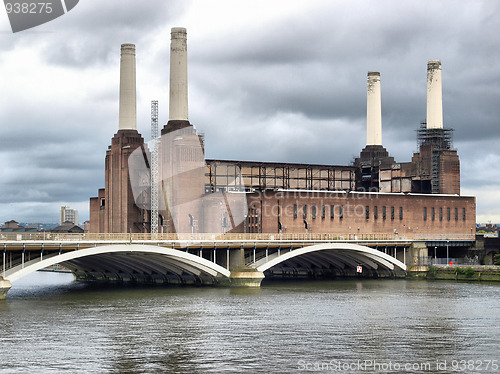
x=339, y=259
x=139, y=263
x=214, y=260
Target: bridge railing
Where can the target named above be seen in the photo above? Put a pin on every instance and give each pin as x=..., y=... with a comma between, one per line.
x=445, y=237
x=134, y=237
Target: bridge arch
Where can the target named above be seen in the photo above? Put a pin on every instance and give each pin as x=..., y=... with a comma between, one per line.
x=127, y=261
x=337, y=255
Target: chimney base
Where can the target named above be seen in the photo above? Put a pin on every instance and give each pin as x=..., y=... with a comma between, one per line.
x=173, y=125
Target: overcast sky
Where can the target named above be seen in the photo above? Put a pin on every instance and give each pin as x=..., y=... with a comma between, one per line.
x=268, y=81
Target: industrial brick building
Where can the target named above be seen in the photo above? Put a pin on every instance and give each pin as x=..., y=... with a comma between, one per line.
x=375, y=194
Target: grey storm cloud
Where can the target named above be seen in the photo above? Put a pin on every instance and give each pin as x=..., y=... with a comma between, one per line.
x=99, y=28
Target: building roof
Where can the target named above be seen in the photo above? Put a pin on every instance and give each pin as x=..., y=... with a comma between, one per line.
x=279, y=164
x=20, y=229
x=68, y=227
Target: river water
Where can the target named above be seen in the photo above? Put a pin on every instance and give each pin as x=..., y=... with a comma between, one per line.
x=51, y=324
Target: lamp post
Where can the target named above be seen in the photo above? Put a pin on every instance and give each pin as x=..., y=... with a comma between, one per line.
x=447, y=252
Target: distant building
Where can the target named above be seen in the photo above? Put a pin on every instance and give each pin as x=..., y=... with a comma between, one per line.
x=13, y=226
x=68, y=227
x=86, y=226
x=36, y=226
x=68, y=215
x=488, y=230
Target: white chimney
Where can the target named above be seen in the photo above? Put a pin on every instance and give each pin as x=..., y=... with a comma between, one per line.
x=434, y=95
x=178, y=108
x=373, y=110
x=128, y=117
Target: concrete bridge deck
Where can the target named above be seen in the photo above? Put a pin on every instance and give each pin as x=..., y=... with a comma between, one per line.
x=226, y=259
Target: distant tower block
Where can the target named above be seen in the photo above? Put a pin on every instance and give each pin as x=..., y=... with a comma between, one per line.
x=434, y=95
x=178, y=106
x=128, y=117
x=373, y=110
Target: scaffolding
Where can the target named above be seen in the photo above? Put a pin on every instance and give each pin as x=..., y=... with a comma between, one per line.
x=154, y=167
x=432, y=145
x=230, y=175
x=437, y=139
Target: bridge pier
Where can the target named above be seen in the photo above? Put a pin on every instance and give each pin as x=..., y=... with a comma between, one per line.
x=419, y=252
x=241, y=275
x=236, y=258
x=4, y=288
x=246, y=277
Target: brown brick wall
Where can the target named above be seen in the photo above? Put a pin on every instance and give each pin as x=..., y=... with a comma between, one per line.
x=121, y=213
x=449, y=173
x=354, y=213
x=94, y=214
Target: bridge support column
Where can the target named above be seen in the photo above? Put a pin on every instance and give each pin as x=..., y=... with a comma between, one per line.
x=246, y=277
x=419, y=254
x=4, y=288
x=236, y=258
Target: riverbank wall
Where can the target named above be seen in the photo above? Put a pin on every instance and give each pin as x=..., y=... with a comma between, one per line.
x=462, y=273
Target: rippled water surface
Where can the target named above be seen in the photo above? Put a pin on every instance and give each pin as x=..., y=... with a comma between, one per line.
x=50, y=324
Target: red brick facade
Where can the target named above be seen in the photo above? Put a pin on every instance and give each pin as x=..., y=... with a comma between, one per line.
x=115, y=209
x=363, y=213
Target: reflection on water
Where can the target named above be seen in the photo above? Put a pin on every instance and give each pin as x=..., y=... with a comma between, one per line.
x=52, y=324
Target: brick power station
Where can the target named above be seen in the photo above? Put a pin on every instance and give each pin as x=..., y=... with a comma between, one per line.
x=373, y=195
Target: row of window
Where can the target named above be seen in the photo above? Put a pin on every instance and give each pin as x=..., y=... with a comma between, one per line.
x=340, y=212
x=384, y=212
x=448, y=214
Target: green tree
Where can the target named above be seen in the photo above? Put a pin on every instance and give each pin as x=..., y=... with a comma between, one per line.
x=496, y=260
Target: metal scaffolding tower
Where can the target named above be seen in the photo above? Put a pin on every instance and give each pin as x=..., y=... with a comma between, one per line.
x=154, y=167
x=439, y=139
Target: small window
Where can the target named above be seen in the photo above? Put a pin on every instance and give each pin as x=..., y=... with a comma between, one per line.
x=400, y=213
x=323, y=211
x=433, y=213
x=332, y=211
x=313, y=211
x=463, y=214
x=448, y=214
x=375, y=212
x=440, y=214
x=341, y=211
x=304, y=211
x=425, y=213
x=384, y=213
x=367, y=212
x=294, y=211
x=392, y=212
x=456, y=214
